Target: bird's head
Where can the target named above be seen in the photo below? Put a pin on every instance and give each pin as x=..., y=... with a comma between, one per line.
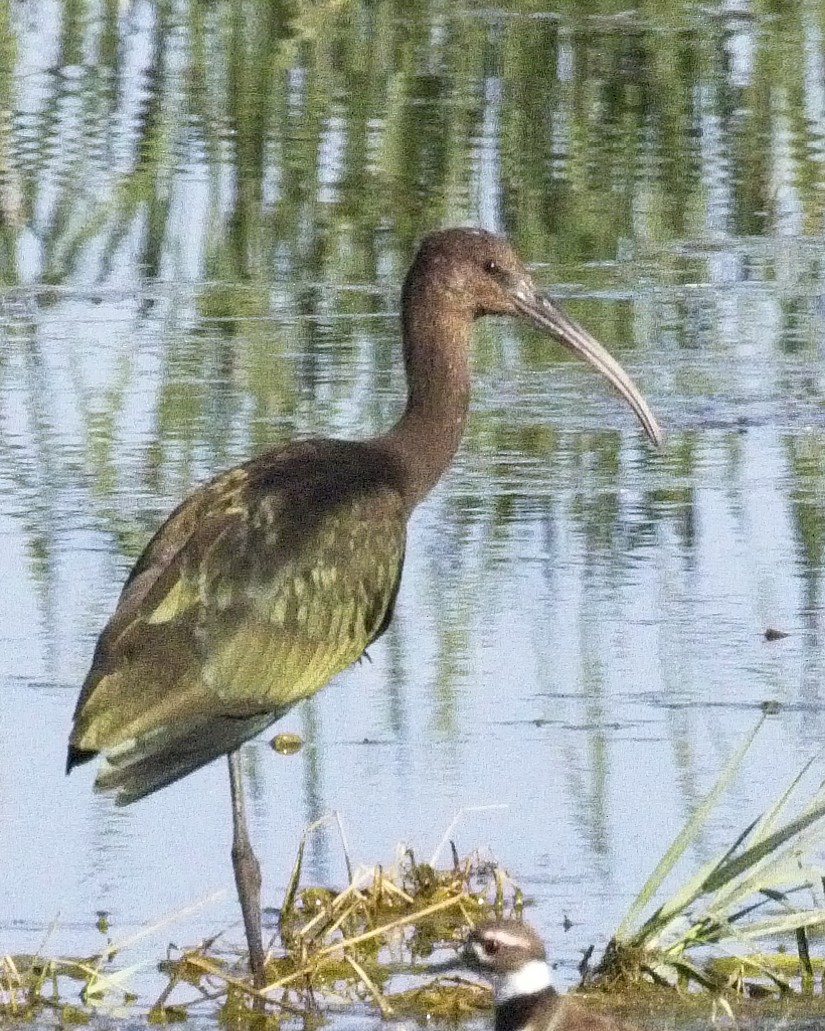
x=510, y=955
x=466, y=273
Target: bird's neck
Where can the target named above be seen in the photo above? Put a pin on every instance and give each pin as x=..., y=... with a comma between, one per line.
x=529, y=979
x=524, y=995
x=436, y=357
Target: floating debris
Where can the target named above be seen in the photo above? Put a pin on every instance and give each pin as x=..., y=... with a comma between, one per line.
x=286, y=743
x=371, y=943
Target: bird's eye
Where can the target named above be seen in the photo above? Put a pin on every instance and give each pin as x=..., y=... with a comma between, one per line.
x=491, y=946
x=491, y=267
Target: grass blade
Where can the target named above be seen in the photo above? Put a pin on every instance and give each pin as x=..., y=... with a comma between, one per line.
x=684, y=838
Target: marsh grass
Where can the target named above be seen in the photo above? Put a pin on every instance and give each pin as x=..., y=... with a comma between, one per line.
x=767, y=885
x=373, y=942
x=368, y=943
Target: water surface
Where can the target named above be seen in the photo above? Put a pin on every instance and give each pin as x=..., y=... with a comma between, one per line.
x=207, y=211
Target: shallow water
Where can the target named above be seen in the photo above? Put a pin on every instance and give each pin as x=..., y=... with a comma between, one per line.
x=205, y=222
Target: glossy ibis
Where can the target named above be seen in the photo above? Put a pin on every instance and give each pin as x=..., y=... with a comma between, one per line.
x=276, y=575
x=511, y=955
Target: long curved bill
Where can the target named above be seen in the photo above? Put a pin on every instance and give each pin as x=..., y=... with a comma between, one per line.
x=547, y=316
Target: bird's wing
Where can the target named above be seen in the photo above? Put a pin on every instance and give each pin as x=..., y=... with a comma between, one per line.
x=259, y=588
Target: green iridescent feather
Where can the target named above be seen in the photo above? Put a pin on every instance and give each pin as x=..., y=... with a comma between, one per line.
x=261, y=586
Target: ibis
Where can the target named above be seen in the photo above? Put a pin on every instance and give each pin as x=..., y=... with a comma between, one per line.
x=277, y=574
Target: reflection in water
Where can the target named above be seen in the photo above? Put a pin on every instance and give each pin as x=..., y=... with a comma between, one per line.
x=204, y=216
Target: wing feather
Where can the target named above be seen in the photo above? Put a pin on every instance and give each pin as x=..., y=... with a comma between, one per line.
x=264, y=584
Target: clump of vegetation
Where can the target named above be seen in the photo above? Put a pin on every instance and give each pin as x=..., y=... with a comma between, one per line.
x=32, y=985
x=369, y=943
x=766, y=885
x=373, y=942
x=353, y=945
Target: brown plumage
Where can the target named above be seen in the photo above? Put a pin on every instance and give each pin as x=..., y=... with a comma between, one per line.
x=257, y=589
x=277, y=574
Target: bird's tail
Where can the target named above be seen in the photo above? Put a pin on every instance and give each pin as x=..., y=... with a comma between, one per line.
x=142, y=765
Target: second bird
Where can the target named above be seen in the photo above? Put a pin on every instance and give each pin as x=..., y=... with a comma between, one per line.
x=276, y=575
x=511, y=955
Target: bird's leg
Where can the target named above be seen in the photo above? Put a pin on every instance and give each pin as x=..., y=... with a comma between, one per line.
x=247, y=873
